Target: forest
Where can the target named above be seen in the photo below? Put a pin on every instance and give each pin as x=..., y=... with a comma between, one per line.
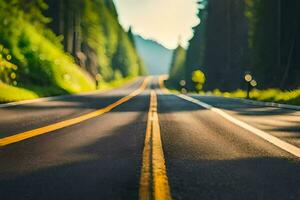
x=53, y=47
x=238, y=37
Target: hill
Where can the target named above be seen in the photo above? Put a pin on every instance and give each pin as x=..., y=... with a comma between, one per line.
x=157, y=58
x=52, y=47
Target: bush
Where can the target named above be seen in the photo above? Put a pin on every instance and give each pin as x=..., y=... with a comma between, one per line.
x=10, y=93
x=8, y=71
x=198, y=78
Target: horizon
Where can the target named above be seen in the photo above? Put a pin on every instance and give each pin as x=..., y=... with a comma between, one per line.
x=153, y=40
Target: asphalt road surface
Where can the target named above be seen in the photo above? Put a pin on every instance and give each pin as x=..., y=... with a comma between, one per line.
x=149, y=145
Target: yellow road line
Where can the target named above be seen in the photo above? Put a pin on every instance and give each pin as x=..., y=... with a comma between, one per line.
x=52, y=127
x=144, y=191
x=153, y=165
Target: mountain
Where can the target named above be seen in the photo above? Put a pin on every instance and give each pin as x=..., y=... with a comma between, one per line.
x=157, y=58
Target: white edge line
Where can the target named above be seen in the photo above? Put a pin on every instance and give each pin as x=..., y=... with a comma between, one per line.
x=266, y=136
x=271, y=104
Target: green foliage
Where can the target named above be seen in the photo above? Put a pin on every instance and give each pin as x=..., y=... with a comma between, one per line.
x=273, y=41
x=125, y=58
x=118, y=75
x=269, y=95
x=114, y=83
x=34, y=56
x=142, y=67
x=131, y=36
x=177, y=70
x=10, y=93
x=94, y=32
x=106, y=38
x=262, y=39
x=111, y=7
x=33, y=10
x=40, y=61
x=8, y=71
x=198, y=78
x=196, y=51
x=235, y=36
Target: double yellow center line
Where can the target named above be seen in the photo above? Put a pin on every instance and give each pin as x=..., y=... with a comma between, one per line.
x=154, y=181
x=52, y=127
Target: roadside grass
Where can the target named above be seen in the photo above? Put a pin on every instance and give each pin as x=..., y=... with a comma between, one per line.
x=114, y=83
x=268, y=95
x=10, y=93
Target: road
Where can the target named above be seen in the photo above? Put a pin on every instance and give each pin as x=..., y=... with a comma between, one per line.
x=141, y=142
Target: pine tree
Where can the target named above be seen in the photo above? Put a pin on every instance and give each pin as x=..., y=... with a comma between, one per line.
x=130, y=36
x=177, y=70
x=197, y=47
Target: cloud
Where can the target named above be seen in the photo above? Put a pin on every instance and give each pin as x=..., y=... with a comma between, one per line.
x=161, y=20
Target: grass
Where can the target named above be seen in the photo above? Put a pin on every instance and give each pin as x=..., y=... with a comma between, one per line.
x=40, y=61
x=59, y=67
x=114, y=83
x=10, y=93
x=268, y=95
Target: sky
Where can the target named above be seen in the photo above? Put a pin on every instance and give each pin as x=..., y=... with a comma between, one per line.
x=162, y=20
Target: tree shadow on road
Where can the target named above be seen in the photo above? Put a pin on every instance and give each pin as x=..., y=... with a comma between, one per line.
x=108, y=166
x=260, y=178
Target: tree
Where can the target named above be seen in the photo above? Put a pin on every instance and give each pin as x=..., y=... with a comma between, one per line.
x=274, y=27
x=130, y=36
x=90, y=31
x=177, y=70
x=197, y=46
x=219, y=46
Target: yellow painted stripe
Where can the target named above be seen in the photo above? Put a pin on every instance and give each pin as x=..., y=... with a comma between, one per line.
x=144, y=191
x=52, y=127
x=153, y=165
